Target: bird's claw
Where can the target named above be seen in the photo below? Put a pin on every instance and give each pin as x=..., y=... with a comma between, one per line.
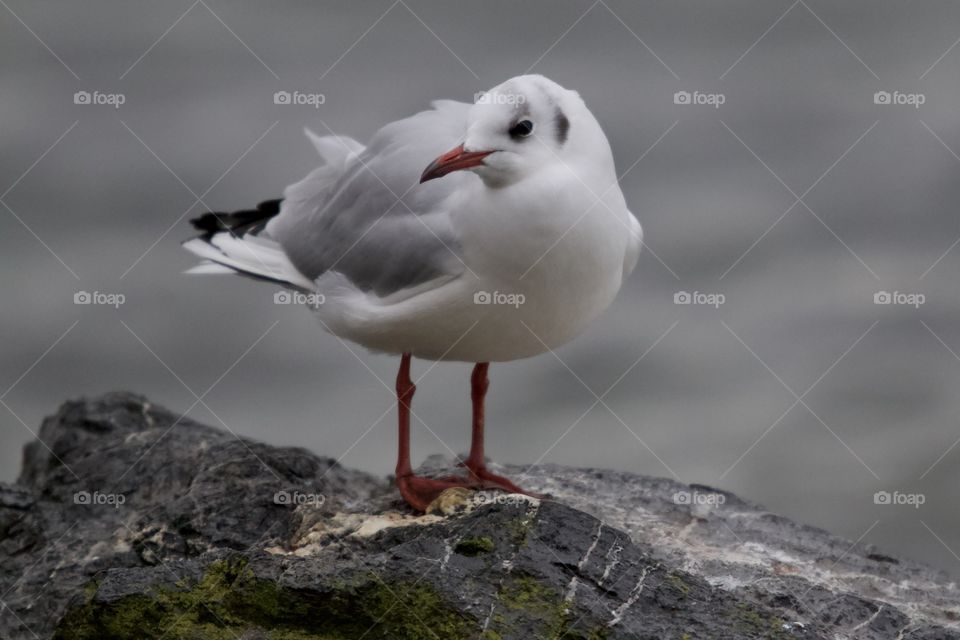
x=419, y=492
x=489, y=480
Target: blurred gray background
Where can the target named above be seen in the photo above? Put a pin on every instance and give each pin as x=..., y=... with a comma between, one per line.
x=96, y=198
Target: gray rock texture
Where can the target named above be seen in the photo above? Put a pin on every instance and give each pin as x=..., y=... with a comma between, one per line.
x=128, y=521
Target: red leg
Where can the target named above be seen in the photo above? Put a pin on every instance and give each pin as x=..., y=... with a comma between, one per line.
x=418, y=492
x=479, y=383
x=476, y=462
x=405, y=390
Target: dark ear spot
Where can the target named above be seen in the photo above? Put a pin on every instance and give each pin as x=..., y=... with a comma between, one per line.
x=563, y=126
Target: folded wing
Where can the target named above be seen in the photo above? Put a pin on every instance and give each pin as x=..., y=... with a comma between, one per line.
x=365, y=215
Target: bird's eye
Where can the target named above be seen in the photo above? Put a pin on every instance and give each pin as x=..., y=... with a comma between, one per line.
x=521, y=130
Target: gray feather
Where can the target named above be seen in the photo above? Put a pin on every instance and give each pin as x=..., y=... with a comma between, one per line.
x=346, y=216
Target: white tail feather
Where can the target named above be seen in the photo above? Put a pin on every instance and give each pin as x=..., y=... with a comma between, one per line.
x=207, y=267
x=249, y=254
x=260, y=255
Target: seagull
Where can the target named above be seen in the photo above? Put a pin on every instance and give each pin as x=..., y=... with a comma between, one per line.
x=475, y=232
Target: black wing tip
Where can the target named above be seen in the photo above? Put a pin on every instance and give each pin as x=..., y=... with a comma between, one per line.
x=209, y=222
x=217, y=221
x=270, y=207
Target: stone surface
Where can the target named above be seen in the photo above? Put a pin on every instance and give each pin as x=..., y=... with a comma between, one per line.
x=130, y=522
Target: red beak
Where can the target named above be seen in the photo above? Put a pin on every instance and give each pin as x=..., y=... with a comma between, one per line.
x=453, y=160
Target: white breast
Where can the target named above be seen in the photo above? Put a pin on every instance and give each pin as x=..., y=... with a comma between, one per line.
x=539, y=268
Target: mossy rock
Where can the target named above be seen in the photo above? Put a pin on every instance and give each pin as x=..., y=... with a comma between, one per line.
x=474, y=546
x=229, y=602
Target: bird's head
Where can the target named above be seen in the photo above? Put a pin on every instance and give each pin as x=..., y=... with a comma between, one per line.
x=520, y=127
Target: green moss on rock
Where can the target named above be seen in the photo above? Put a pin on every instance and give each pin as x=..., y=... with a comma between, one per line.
x=229, y=601
x=755, y=624
x=678, y=584
x=533, y=601
x=474, y=546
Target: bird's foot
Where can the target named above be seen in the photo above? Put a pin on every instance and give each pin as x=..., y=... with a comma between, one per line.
x=489, y=480
x=419, y=492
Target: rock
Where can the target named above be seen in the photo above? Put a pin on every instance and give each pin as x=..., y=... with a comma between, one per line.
x=129, y=521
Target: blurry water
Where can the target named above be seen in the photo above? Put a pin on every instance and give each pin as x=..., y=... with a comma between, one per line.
x=798, y=391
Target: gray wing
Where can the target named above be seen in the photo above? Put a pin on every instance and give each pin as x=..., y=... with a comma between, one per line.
x=364, y=214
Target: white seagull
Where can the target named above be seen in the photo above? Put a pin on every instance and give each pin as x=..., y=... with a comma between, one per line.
x=480, y=232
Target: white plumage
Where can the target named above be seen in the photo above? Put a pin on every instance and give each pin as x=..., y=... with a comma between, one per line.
x=502, y=261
